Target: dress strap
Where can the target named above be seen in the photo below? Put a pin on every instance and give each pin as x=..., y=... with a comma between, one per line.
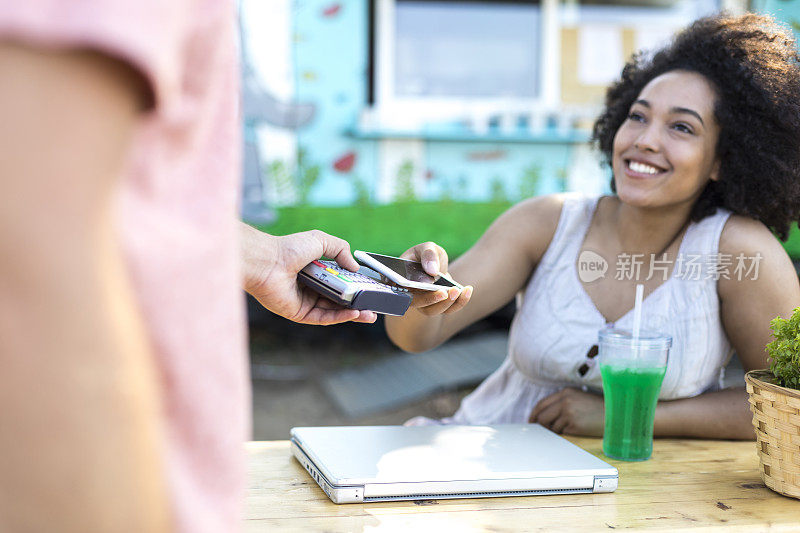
x=705, y=234
x=576, y=215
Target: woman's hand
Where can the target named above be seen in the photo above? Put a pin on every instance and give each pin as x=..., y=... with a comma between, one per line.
x=571, y=411
x=435, y=262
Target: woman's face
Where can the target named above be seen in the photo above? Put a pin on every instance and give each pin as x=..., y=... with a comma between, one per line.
x=665, y=152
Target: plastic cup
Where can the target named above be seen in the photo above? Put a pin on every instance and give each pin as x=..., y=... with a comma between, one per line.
x=632, y=372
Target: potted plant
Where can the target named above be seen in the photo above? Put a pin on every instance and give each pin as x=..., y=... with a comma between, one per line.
x=775, y=402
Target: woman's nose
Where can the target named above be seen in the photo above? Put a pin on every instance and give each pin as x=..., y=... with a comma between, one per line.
x=647, y=140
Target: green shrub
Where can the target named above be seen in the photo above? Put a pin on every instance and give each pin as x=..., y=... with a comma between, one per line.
x=792, y=244
x=784, y=351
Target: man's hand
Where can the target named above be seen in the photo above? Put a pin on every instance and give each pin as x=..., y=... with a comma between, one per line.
x=271, y=265
x=571, y=411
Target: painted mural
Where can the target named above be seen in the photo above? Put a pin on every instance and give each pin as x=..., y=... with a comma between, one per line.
x=786, y=10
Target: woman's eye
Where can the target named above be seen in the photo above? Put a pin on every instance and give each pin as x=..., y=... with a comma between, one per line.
x=683, y=128
x=637, y=117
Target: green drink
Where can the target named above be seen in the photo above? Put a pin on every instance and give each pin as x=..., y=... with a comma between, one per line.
x=631, y=395
x=632, y=370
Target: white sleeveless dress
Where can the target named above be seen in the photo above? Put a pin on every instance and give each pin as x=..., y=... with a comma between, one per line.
x=557, y=323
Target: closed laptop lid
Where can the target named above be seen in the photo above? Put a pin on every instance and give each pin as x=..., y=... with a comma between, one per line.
x=357, y=455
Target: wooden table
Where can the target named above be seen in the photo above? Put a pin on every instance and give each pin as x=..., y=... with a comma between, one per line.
x=687, y=484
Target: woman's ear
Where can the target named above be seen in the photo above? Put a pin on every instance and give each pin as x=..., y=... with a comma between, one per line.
x=715, y=171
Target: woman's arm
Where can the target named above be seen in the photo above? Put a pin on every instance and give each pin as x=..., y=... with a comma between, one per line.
x=715, y=415
x=496, y=267
x=723, y=414
x=748, y=305
x=748, y=302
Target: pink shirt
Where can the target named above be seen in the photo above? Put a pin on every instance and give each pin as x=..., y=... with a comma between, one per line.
x=178, y=224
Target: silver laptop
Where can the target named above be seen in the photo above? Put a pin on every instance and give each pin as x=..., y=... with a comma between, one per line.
x=379, y=463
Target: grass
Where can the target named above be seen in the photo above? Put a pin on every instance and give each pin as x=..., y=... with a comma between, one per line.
x=391, y=229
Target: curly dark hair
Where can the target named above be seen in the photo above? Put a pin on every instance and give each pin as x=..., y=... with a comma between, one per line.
x=753, y=63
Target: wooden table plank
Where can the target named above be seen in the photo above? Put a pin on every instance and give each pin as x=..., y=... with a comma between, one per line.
x=688, y=484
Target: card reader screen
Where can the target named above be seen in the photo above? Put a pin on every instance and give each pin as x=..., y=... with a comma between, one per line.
x=411, y=270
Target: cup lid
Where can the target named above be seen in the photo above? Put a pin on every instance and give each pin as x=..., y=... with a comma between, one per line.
x=623, y=337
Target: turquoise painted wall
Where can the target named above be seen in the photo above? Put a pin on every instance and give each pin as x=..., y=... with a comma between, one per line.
x=787, y=11
x=330, y=44
x=331, y=54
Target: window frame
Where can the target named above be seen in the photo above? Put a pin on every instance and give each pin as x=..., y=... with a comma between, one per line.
x=391, y=112
x=404, y=110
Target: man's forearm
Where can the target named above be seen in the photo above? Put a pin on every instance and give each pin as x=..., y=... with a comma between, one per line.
x=414, y=332
x=723, y=414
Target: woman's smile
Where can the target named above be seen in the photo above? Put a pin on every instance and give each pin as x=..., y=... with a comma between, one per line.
x=640, y=168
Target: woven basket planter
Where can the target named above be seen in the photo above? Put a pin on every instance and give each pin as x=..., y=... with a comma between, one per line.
x=776, y=417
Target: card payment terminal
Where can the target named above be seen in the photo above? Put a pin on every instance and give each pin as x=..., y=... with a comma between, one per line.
x=354, y=289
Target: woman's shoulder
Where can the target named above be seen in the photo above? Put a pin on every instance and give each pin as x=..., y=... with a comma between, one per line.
x=545, y=208
x=748, y=242
x=530, y=224
x=742, y=234
x=548, y=209
x=551, y=215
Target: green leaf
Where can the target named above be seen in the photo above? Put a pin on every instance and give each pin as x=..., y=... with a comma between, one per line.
x=784, y=350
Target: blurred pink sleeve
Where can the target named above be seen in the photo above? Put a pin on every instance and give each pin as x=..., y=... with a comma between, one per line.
x=146, y=34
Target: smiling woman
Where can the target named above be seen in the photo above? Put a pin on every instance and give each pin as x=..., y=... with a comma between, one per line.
x=703, y=139
x=664, y=153
x=751, y=65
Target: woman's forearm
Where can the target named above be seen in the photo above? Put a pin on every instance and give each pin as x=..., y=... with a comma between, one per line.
x=415, y=332
x=723, y=414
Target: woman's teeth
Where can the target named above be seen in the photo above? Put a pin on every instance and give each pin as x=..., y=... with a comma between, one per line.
x=642, y=168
